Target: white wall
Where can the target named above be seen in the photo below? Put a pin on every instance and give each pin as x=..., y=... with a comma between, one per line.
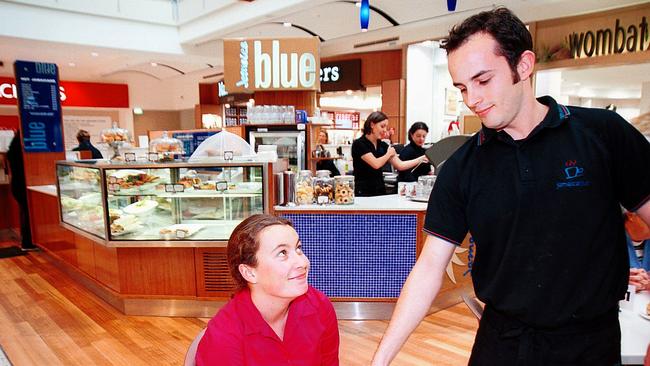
x=427, y=79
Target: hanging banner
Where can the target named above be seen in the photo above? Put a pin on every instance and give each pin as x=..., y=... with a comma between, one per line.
x=37, y=86
x=271, y=64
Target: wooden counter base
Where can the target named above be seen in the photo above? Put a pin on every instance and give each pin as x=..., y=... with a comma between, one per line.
x=195, y=282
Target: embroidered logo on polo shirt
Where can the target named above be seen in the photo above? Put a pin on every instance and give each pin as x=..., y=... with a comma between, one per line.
x=571, y=172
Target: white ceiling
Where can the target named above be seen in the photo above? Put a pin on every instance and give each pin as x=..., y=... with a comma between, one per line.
x=129, y=35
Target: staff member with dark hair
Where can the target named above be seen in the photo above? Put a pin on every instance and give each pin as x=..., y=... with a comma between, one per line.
x=84, y=145
x=413, y=150
x=540, y=189
x=370, y=154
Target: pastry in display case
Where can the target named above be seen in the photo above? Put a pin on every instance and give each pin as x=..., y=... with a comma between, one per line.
x=166, y=147
x=80, y=198
x=115, y=138
x=128, y=204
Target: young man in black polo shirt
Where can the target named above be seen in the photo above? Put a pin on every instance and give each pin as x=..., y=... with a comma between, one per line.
x=539, y=189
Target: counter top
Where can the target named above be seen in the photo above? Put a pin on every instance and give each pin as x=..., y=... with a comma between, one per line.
x=390, y=202
x=47, y=189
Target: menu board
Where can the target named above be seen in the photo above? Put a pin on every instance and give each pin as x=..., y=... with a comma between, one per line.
x=93, y=124
x=192, y=140
x=37, y=86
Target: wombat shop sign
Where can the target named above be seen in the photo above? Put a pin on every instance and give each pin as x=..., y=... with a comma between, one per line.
x=271, y=64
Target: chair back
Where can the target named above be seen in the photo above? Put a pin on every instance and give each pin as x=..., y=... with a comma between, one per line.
x=191, y=351
x=474, y=306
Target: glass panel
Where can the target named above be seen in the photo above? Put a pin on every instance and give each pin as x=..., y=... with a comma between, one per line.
x=198, y=203
x=81, y=198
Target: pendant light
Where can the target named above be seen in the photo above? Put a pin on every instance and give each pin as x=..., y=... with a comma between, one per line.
x=364, y=15
x=451, y=5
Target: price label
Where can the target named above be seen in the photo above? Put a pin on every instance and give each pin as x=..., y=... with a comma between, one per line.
x=221, y=186
x=228, y=155
x=322, y=200
x=169, y=188
x=129, y=157
x=301, y=127
x=152, y=157
x=179, y=188
x=181, y=234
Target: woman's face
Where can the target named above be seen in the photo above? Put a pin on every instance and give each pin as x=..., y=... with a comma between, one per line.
x=322, y=137
x=379, y=130
x=282, y=267
x=419, y=136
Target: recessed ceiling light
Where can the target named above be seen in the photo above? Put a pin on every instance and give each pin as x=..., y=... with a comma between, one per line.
x=154, y=64
x=72, y=64
x=358, y=4
x=286, y=24
x=94, y=54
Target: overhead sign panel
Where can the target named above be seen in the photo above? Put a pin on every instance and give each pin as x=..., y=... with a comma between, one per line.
x=271, y=64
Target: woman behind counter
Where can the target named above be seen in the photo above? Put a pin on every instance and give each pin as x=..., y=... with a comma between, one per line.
x=417, y=135
x=370, y=154
x=275, y=318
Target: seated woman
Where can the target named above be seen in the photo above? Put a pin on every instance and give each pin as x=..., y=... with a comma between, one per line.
x=275, y=318
x=417, y=135
x=369, y=154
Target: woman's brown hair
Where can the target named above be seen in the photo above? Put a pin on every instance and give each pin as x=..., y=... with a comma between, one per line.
x=244, y=243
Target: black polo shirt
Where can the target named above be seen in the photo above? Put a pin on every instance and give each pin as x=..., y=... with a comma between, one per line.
x=410, y=152
x=544, y=213
x=367, y=180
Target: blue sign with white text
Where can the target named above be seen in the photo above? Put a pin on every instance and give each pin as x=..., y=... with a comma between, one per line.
x=37, y=86
x=192, y=140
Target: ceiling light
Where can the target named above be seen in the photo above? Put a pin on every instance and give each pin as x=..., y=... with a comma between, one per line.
x=364, y=30
x=94, y=54
x=286, y=24
x=364, y=14
x=137, y=110
x=227, y=105
x=72, y=64
x=358, y=4
x=154, y=64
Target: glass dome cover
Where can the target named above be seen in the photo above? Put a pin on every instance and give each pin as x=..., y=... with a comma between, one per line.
x=115, y=134
x=166, y=144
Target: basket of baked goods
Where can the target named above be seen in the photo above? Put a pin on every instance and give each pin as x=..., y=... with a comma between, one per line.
x=115, y=138
x=167, y=148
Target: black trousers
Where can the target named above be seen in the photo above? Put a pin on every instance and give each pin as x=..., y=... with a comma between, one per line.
x=501, y=340
x=25, y=231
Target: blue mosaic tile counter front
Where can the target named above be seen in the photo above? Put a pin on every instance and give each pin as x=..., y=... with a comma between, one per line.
x=357, y=255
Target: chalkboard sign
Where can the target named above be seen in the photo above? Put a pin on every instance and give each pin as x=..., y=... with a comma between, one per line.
x=37, y=86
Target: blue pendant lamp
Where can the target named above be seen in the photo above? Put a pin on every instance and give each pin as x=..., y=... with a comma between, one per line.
x=364, y=14
x=451, y=5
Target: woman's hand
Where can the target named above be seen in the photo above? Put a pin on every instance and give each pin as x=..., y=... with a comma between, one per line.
x=423, y=159
x=639, y=278
x=391, y=151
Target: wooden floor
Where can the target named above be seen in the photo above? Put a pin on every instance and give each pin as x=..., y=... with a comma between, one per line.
x=47, y=319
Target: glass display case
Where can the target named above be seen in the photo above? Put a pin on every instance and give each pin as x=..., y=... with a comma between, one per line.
x=127, y=204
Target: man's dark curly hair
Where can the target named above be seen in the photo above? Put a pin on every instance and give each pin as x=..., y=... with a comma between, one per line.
x=508, y=31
